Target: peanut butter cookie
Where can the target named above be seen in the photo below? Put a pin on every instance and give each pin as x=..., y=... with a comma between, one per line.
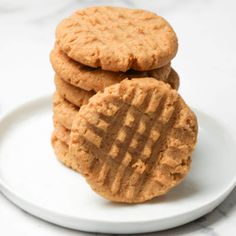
x=96, y=79
x=134, y=141
x=79, y=97
x=62, y=133
x=117, y=39
x=64, y=111
x=61, y=152
x=172, y=79
x=75, y=95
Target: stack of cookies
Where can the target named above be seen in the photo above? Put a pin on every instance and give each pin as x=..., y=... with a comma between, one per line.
x=118, y=119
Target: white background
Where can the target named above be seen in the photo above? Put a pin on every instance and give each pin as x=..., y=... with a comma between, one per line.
x=205, y=61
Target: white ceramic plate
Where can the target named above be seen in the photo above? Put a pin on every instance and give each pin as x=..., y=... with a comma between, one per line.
x=33, y=179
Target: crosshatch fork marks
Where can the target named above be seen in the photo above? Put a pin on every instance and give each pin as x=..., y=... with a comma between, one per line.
x=124, y=146
x=141, y=145
x=130, y=181
x=109, y=140
x=122, y=176
x=124, y=156
x=158, y=147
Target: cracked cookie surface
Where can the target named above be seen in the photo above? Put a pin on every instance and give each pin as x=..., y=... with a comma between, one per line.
x=96, y=79
x=134, y=141
x=117, y=39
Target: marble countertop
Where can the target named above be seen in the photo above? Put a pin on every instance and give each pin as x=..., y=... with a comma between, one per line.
x=205, y=63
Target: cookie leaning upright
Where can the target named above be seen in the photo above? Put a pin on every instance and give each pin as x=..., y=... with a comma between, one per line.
x=117, y=39
x=134, y=141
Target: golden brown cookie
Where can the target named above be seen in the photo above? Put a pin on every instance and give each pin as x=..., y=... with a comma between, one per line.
x=79, y=97
x=61, y=152
x=134, y=141
x=64, y=111
x=75, y=95
x=172, y=79
x=89, y=78
x=62, y=133
x=117, y=39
